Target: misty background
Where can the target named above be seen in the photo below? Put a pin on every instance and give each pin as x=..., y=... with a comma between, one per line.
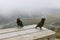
x=30, y=12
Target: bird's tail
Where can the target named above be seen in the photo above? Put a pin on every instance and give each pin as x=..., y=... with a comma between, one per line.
x=36, y=27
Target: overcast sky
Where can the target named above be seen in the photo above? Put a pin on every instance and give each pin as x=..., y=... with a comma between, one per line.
x=28, y=5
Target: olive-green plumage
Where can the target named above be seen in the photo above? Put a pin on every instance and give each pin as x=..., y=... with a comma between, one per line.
x=19, y=22
x=41, y=23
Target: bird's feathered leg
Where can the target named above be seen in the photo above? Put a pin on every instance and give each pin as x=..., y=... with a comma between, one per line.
x=40, y=28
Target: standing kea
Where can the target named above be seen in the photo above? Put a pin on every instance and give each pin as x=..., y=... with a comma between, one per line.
x=19, y=23
x=41, y=23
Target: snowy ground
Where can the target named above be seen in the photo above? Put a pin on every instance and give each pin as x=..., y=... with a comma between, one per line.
x=27, y=30
x=17, y=29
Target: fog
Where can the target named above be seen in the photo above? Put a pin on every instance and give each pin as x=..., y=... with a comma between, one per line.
x=6, y=6
x=28, y=9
